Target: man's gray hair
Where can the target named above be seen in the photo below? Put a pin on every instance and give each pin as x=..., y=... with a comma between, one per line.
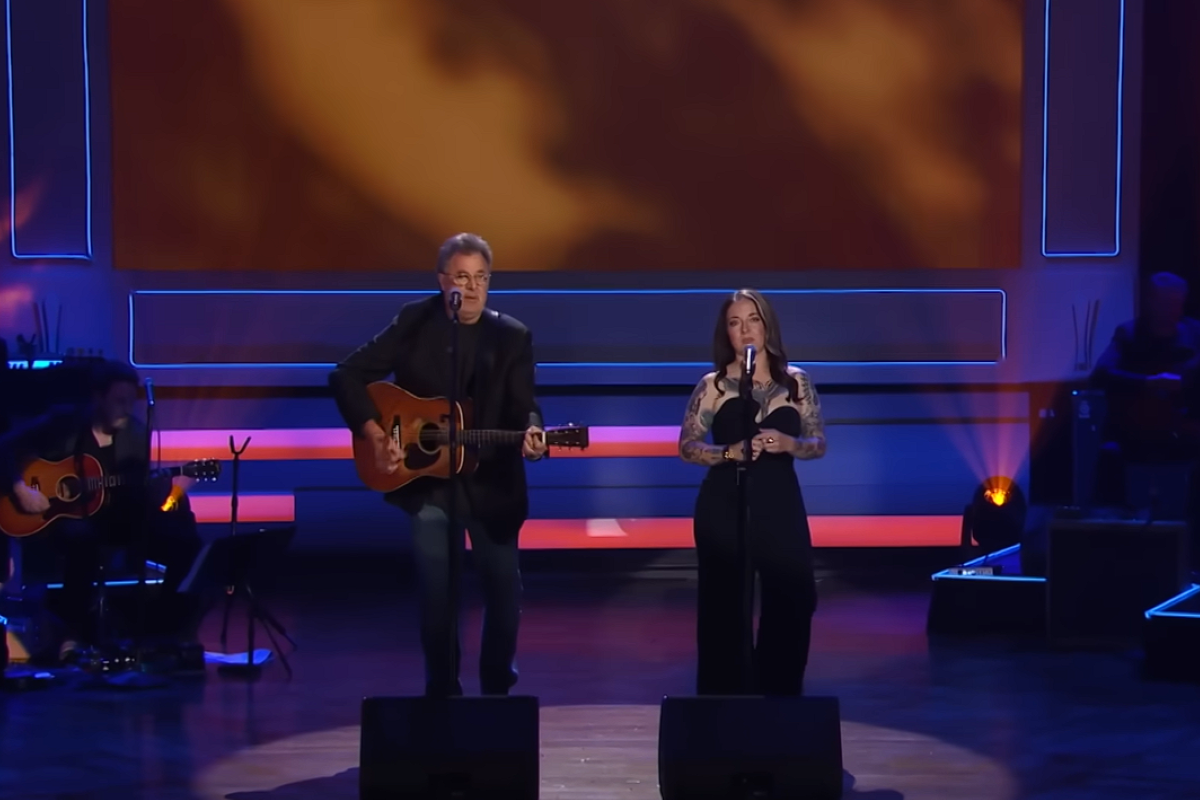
x=468, y=243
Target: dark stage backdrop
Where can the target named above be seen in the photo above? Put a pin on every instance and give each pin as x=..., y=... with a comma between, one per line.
x=1170, y=235
x=691, y=135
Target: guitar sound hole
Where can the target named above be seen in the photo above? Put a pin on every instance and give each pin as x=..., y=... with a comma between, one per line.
x=423, y=453
x=69, y=489
x=428, y=438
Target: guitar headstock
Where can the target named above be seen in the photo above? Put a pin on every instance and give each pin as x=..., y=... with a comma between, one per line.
x=575, y=436
x=208, y=469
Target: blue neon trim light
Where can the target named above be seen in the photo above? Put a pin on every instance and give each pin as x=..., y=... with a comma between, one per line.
x=567, y=364
x=1159, y=610
x=87, y=133
x=947, y=574
x=40, y=363
x=1116, y=249
x=125, y=582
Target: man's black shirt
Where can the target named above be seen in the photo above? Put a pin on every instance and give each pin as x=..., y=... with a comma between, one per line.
x=436, y=336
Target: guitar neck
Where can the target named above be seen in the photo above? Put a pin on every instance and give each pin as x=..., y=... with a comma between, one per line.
x=477, y=437
x=112, y=481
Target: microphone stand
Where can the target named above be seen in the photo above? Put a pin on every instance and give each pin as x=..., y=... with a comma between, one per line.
x=743, y=525
x=139, y=678
x=452, y=530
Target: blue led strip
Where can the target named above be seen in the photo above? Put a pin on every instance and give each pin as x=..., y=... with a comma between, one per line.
x=569, y=364
x=1116, y=248
x=949, y=574
x=1160, y=609
x=87, y=133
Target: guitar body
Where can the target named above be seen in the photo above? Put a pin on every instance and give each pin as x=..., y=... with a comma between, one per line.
x=58, y=481
x=408, y=419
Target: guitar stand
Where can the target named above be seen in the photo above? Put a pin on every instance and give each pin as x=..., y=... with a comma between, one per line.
x=238, y=585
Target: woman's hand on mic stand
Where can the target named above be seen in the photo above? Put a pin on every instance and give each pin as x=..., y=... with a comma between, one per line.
x=737, y=450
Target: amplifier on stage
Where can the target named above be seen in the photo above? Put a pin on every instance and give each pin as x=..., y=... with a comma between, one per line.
x=1103, y=575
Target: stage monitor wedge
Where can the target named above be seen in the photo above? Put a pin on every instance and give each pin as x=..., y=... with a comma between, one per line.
x=475, y=748
x=768, y=747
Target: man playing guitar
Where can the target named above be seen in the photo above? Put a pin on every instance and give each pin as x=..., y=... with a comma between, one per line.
x=105, y=430
x=1150, y=373
x=496, y=374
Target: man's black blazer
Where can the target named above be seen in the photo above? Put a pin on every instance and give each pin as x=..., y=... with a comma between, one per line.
x=504, y=398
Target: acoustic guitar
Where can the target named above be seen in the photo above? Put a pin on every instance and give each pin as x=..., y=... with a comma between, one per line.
x=421, y=428
x=76, y=496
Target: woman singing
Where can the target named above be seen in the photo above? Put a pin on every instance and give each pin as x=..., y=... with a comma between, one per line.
x=787, y=424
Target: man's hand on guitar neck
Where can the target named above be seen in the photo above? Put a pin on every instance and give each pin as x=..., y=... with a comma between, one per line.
x=387, y=451
x=30, y=500
x=534, y=446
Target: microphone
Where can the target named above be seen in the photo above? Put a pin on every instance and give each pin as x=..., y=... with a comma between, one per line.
x=455, y=299
x=149, y=392
x=748, y=361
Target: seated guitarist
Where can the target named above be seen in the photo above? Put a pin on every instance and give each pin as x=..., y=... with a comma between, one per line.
x=495, y=372
x=1151, y=377
x=106, y=430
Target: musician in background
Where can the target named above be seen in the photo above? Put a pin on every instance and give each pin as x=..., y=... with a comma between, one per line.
x=496, y=373
x=106, y=430
x=1150, y=374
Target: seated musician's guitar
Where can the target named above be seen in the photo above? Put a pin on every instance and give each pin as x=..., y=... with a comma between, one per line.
x=66, y=490
x=421, y=427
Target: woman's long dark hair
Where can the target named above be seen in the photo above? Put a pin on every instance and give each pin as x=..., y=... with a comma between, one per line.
x=724, y=354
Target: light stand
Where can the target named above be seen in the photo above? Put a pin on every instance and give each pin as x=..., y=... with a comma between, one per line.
x=238, y=585
x=743, y=525
x=452, y=530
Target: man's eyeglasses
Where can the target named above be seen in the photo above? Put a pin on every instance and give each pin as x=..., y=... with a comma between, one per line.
x=464, y=280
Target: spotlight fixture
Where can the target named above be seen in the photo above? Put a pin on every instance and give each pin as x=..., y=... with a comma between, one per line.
x=995, y=517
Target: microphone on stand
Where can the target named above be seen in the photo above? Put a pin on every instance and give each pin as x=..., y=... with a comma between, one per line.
x=748, y=361
x=747, y=382
x=455, y=299
x=149, y=392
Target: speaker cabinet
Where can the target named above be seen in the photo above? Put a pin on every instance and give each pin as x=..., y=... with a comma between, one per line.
x=475, y=748
x=769, y=747
x=1104, y=575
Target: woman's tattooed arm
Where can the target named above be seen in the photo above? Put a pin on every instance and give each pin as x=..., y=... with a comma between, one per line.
x=811, y=442
x=696, y=422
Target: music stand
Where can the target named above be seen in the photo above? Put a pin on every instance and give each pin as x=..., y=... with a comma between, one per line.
x=231, y=564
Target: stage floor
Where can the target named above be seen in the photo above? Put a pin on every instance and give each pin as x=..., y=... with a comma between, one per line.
x=969, y=721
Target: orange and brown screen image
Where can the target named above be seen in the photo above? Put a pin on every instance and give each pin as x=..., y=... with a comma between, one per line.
x=591, y=135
